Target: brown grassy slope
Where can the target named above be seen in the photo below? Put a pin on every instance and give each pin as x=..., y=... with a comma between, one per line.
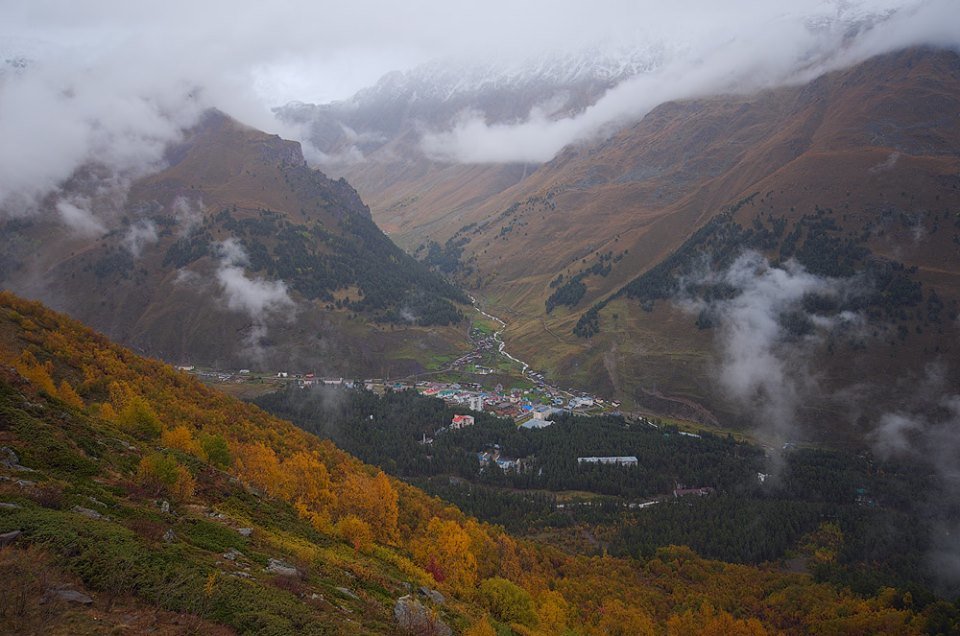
x=870, y=142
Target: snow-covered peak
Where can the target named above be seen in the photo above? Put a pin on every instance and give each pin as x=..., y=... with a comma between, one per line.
x=442, y=80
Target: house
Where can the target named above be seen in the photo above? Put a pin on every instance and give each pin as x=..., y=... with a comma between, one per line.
x=461, y=421
x=506, y=409
x=476, y=403
x=629, y=460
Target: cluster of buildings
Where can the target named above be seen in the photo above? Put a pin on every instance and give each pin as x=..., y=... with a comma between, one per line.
x=528, y=407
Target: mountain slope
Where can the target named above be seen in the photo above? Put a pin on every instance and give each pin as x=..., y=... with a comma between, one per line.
x=332, y=545
x=873, y=146
x=236, y=254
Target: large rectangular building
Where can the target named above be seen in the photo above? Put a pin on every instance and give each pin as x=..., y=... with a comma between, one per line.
x=629, y=460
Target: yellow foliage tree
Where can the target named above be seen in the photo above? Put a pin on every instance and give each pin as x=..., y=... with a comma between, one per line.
x=257, y=464
x=374, y=500
x=553, y=613
x=308, y=480
x=38, y=374
x=481, y=628
x=356, y=532
x=182, y=439
x=106, y=412
x=707, y=621
x=120, y=394
x=69, y=396
x=445, y=553
x=823, y=545
x=618, y=619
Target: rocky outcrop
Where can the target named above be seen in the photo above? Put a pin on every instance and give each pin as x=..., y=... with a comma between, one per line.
x=415, y=618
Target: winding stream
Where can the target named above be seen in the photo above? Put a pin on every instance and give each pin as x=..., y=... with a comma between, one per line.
x=497, y=335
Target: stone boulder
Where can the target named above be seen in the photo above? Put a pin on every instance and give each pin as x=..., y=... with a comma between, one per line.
x=276, y=566
x=413, y=618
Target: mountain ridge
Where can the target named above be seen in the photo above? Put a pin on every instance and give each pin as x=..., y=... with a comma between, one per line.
x=238, y=253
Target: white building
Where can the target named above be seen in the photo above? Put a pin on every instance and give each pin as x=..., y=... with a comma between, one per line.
x=629, y=460
x=536, y=422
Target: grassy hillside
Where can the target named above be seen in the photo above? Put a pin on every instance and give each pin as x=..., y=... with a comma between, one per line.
x=269, y=530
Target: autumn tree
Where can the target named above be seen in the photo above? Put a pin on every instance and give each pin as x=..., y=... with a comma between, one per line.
x=481, y=628
x=307, y=480
x=444, y=551
x=553, y=613
x=182, y=439
x=38, y=374
x=707, y=621
x=69, y=395
x=257, y=464
x=618, y=619
x=374, y=500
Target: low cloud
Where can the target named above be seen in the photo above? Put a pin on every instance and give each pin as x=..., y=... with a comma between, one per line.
x=765, y=366
x=78, y=218
x=887, y=164
x=262, y=301
x=765, y=48
x=927, y=429
x=349, y=156
x=140, y=234
x=188, y=213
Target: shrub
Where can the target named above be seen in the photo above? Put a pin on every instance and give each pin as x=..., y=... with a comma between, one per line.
x=507, y=601
x=139, y=419
x=161, y=474
x=216, y=450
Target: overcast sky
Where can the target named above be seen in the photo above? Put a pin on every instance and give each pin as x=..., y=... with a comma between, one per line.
x=117, y=80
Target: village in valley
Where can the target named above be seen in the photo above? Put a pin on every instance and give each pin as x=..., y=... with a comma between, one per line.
x=473, y=384
x=474, y=381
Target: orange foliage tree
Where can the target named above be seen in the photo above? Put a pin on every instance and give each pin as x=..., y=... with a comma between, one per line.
x=445, y=553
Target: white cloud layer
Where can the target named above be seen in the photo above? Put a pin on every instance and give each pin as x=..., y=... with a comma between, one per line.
x=766, y=46
x=114, y=82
